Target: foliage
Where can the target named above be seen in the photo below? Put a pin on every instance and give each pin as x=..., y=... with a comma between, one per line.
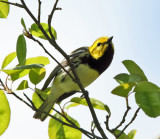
x=4, y=112
x=4, y=9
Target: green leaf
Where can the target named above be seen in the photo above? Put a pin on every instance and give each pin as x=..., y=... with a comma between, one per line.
x=36, y=75
x=148, y=98
x=19, y=74
x=4, y=112
x=35, y=31
x=8, y=59
x=135, y=78
x=131, y=134
x=122, y=136
x=123, y=89
x=133, y=68
x=37, y=60
x=95, y=103
x=122, y=78
x=37, y=100
x=23, y=85
x=4, y=9
x=125, y=78
x=23, y=23
x=20, y=71
x=20, y=68
x=57, y=130
x=31, y=66
x=21, y=49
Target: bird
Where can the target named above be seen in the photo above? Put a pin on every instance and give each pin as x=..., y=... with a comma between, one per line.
x=88, y=62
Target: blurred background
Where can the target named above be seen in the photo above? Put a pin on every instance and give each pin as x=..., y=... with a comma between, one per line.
x=135, y=26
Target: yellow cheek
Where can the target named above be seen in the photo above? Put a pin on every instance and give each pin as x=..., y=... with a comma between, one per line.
x=99, y=49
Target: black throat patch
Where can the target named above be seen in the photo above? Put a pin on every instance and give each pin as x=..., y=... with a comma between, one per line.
x=102, y=63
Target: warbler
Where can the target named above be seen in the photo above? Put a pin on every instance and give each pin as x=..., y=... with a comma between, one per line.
x=88, y=62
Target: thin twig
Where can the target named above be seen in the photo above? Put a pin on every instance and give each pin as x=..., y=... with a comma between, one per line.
x=39, y=11
x=22, y=100
x=30, y=101
x=15, y=4
x=133, y=118
x=107, y=125
x=124, y=116
x=76, y=127
x=52, y=56
x=51, y=41
x=123, y=120
x=50, y=18
x=94, y=116
x=2, y=84
x=64, y=123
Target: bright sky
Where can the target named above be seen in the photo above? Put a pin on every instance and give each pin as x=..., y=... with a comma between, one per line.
x=135, y=27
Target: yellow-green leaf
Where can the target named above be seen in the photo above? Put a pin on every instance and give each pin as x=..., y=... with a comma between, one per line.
x=131, y=134
x=37, y=60
x=23, y=85
x=36, y=75
x=20, y=68
x=4, y=9
x=95, y=103
x=4, y=112
x=8, y=59
x=35, y=31
x=19, y=74
x=57, y=130
x=37, y=100
x=20, y=71
x=122, y=136
x=123, y=89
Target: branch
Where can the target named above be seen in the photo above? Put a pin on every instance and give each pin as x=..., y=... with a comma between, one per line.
x=51, y=16
x=94, y=116
x=2, y=84
x=15, y=4
x=51, y=41
x=73, y=126
x=32, y=106
x=107, y=125
x=133, y=118
x=124, y=116
x=88, y=134
x=39, y=11
x=22, y=100
x=31, y=37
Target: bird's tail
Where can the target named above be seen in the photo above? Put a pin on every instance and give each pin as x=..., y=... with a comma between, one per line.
x=44, y=109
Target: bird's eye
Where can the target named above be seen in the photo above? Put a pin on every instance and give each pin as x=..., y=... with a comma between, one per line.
x=99, y=44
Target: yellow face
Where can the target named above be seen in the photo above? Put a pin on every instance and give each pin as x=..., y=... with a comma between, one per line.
x=99, y=47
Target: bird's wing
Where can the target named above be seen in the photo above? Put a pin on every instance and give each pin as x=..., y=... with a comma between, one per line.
x=74, y=57
x=50, y=77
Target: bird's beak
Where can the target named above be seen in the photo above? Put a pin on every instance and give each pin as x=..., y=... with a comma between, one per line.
x=109, y=40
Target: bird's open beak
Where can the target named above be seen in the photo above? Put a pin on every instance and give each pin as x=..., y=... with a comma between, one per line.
x=109, y=40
